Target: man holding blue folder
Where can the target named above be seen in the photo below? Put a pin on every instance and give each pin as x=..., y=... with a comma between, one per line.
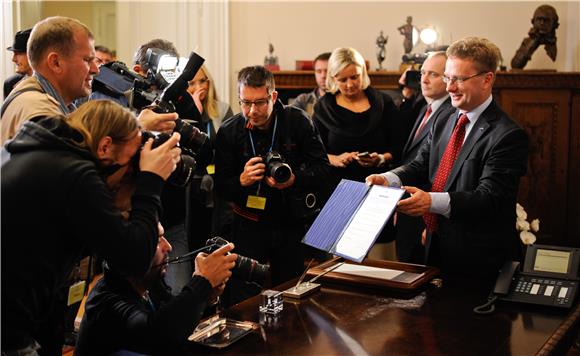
x=473, y=162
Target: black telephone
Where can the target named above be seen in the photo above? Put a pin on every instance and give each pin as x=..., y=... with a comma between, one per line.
x=549, y=277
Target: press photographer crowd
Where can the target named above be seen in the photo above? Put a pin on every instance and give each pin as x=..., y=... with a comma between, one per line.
x=140, y=173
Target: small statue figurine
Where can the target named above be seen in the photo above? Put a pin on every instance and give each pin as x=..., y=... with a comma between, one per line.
x=381, y=41
x=270, y=59
x=407, y=31
x=545, y=22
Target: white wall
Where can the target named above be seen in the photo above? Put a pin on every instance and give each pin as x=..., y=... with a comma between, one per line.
x=234, y=34
x=301, y=30
x=200, y=26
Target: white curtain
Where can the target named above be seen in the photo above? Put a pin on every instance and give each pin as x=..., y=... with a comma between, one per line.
x=200, y=26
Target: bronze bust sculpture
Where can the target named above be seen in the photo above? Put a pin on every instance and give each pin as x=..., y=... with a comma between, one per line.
x=545, y=22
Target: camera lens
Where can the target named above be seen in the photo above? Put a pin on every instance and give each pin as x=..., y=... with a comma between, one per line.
x=281, y=172
x=191, y=137
x=246, y=269
x=276, y=168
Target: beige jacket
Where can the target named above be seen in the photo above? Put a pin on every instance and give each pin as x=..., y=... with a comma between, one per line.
x=26, y=106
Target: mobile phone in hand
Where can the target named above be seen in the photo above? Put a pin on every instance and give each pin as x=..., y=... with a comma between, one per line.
x=364, y=154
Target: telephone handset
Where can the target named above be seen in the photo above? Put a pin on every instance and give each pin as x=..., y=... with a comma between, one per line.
x=505, y=277
x=549, y=277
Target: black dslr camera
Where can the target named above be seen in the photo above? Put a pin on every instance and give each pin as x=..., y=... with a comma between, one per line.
x=276, y=167
x=413, y=79
x=246, y=268
x=184, y=170
x=176, y=99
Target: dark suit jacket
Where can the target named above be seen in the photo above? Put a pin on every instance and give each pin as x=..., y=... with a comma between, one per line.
x=480, y=233
x=11, y=82
x=409, y=228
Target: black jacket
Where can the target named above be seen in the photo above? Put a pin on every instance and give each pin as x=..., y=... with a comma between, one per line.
x=118, y=318
x=296, y=140
x=55, y=209
x=380, y=129
x=480, y=233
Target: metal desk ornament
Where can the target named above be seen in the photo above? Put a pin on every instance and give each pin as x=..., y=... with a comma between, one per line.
x=302, y=289
x=219, y=332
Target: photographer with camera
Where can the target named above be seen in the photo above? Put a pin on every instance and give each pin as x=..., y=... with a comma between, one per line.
x=156, y=88
x=270, y=162
x=174, y=199
x=139, y=314
x=58, y=208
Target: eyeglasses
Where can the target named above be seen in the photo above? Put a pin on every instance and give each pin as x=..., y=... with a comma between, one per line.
x=430, y=74
x=260, y=103
x=202, y=81
x=460, y=80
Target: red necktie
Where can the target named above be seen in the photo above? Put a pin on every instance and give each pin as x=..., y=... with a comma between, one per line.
x=424, y=121
x=447, y=161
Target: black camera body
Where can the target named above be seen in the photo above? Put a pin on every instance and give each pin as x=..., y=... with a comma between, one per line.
x=413, y=79
x=184, y=169
x=246, y=269
x=276, y=167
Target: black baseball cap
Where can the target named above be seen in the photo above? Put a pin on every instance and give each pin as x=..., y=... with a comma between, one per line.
x=20, y=41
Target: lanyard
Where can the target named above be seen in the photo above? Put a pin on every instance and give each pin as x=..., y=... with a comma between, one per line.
x=273, y=137
x=208, y=130
x=269, y=149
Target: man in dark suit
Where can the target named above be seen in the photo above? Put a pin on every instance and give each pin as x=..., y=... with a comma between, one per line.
x=438, y=106
x=474, y=160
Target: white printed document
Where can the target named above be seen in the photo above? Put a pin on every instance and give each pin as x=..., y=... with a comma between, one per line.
x=352, y=219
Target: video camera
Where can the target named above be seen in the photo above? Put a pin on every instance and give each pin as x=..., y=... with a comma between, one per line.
x=246, y=268
x=165, y=82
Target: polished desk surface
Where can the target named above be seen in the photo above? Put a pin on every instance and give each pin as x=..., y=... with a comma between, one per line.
x=341, y=320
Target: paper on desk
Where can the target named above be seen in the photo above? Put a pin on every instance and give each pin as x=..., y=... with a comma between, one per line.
x=369, y=271
x=368, y=221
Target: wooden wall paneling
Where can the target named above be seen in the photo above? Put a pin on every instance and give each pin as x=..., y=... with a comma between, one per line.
x=544, y=115
x=573, y=208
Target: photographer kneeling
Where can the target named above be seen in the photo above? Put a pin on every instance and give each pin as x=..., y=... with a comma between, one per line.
x=57, y=208
x=140, y=314
x=268, y=159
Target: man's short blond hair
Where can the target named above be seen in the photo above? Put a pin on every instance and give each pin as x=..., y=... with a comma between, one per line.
x=54, y=33
x=481, y=51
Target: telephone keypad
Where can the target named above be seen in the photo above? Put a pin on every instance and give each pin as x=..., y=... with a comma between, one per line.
x=543, y=290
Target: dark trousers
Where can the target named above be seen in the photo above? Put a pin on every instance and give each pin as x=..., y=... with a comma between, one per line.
x=276, y=244
x=408, y=233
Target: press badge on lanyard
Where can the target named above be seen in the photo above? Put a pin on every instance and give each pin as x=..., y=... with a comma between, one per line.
x=210, y=169
x=256, y=201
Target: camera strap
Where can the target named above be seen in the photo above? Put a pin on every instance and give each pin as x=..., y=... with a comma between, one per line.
x=269, y=149
x=273, y=138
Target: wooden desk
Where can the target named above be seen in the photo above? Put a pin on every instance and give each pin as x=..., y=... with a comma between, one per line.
x=433, y=321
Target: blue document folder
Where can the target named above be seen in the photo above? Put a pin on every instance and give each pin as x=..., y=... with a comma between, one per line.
x=353, y=217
